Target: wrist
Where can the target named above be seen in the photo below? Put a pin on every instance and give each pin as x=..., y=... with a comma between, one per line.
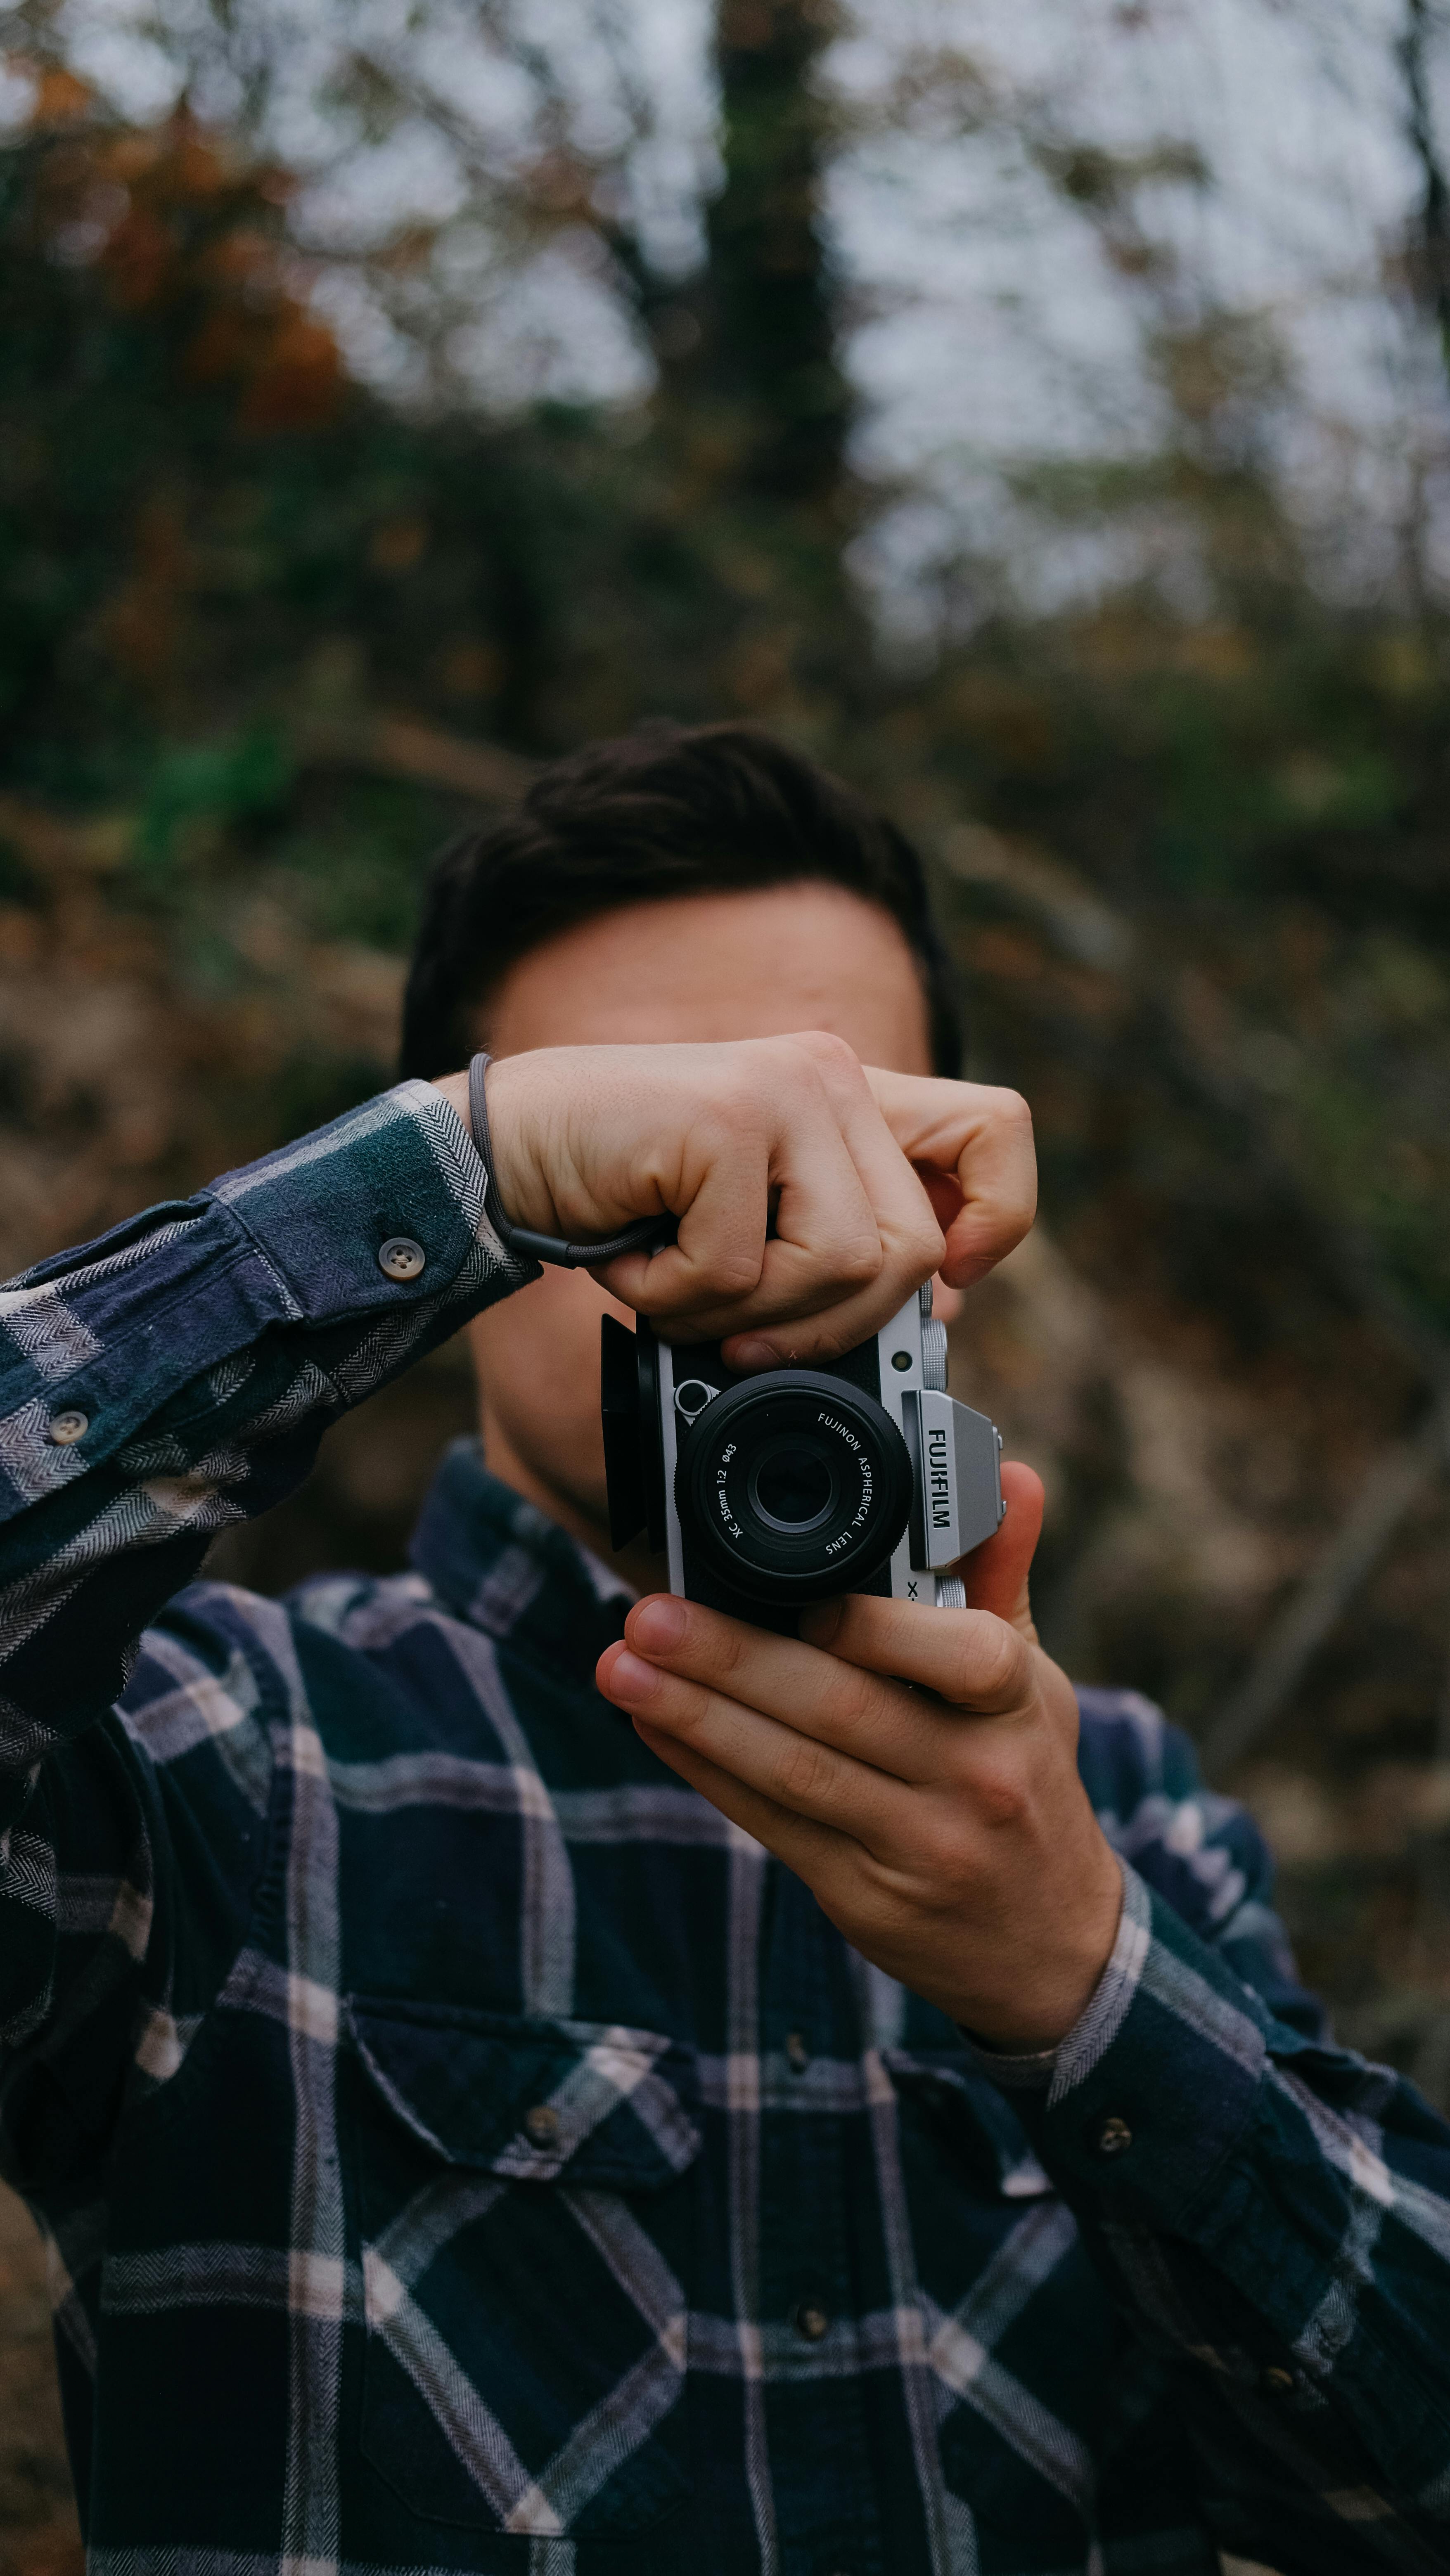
x=454, y=1087
x=508, y=1095
x=522, y=1193
x=517, y=1093
x=1044, y=2000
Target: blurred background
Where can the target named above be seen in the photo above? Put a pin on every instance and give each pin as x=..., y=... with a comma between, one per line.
x=1039, y=410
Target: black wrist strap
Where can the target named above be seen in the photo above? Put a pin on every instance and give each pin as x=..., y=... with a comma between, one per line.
x=521, y=1240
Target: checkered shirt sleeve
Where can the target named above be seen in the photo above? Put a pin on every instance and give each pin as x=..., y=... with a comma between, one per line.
x=1271, y=2211
x=202, y=1349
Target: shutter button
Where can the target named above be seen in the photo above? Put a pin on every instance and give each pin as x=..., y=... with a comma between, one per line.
x=811, y=2322
x=1114, y=2136
x=401, y=1258
x=542, y=2124
x=68, y=1427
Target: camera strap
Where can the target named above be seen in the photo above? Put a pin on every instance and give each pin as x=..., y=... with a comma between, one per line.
x=521, y=1240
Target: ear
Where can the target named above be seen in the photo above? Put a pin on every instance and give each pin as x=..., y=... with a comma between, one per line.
x=995, y=1574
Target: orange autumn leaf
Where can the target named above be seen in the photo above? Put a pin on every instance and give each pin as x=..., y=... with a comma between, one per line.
x=300, y=379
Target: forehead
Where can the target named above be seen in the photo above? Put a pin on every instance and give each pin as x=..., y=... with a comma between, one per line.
x=713, y=966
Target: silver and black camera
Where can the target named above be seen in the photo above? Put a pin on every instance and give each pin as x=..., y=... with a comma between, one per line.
x=765, y=1493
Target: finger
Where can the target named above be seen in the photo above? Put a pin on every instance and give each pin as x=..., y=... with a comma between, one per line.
x=809, y=1849
x=825, y=1242
x=861, y=1714
x=944, y=1191
x=794, y=1771
x=853, y=1235
x=722, y=1183
x=970, y=1658
x=910, y=1238
x=995, y=1574
x=734, y=1133
x=908, y=1235
x=982, y=1137
x=729, y=1269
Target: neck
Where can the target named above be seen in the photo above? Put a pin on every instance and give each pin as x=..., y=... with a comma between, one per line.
x=635, y=1564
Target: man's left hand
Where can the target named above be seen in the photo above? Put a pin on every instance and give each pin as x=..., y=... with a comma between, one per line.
x=916, y=1767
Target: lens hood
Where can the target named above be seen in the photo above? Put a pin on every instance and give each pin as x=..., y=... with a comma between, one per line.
x=793, y=1486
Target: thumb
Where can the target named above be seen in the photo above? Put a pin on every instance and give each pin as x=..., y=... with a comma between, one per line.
x=995, y=1574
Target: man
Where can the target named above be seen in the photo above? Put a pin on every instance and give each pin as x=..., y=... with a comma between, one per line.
x=841, y=2123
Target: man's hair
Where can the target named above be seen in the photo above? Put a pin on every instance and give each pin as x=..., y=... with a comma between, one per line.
x=669, y=810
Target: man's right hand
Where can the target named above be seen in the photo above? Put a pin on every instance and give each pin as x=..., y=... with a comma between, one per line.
x=802, y=1224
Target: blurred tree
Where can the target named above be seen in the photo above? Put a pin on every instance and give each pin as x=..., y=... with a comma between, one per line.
x=1431, y=268
x=771, y=342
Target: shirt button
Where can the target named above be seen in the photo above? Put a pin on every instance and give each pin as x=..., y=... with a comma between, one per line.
x=68, y=1427
x=797, y=2053
x=401, y=1258
x=542, y=2124
x=811, y=2322
x=1278, y=2383
x=1113, y=2137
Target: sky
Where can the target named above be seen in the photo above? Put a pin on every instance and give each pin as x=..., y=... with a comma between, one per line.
x=986, y=329
x=1003, y=333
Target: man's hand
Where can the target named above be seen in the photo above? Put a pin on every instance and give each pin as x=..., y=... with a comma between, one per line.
x=917, y=1768
x=971, y=1146
x=811, y=1197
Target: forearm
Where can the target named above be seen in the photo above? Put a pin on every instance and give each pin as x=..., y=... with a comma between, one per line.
x=205, y=1348
x=195, y=1356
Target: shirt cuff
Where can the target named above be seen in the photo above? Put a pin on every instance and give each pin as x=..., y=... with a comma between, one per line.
x=1032, y=2070
x=331, y=1213
x=1155, y=2084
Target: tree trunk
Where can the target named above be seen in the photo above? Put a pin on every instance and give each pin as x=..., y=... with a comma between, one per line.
x=772, y=348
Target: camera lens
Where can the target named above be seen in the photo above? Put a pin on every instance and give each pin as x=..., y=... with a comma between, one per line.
x=793, y=1486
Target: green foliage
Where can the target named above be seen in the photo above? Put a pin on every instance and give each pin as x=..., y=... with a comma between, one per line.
x=193, y=792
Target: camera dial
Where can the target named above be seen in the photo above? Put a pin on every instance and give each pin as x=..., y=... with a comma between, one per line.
x=793, y=1484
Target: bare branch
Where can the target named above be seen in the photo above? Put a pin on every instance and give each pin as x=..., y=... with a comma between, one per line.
x=1326, y=1591
x=399, y=747
x=1435, y=201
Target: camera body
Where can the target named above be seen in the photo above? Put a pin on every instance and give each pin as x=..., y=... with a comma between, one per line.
x=764, y=1493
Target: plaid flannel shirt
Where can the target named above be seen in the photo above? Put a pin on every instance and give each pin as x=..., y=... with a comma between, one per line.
x=459, y=2148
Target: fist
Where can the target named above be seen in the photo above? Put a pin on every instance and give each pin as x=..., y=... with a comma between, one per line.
x=811, y=1195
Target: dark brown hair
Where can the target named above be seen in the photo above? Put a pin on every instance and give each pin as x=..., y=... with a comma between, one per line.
x=669, y=810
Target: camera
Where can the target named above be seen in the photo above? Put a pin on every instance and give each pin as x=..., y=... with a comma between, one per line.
x=860, y=1474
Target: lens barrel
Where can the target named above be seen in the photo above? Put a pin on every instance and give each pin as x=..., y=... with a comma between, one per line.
x=794, y=1486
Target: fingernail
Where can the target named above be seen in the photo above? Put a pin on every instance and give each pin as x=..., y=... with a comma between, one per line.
x=819, y=1623
x=630, y=1678
x=658, y=1625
